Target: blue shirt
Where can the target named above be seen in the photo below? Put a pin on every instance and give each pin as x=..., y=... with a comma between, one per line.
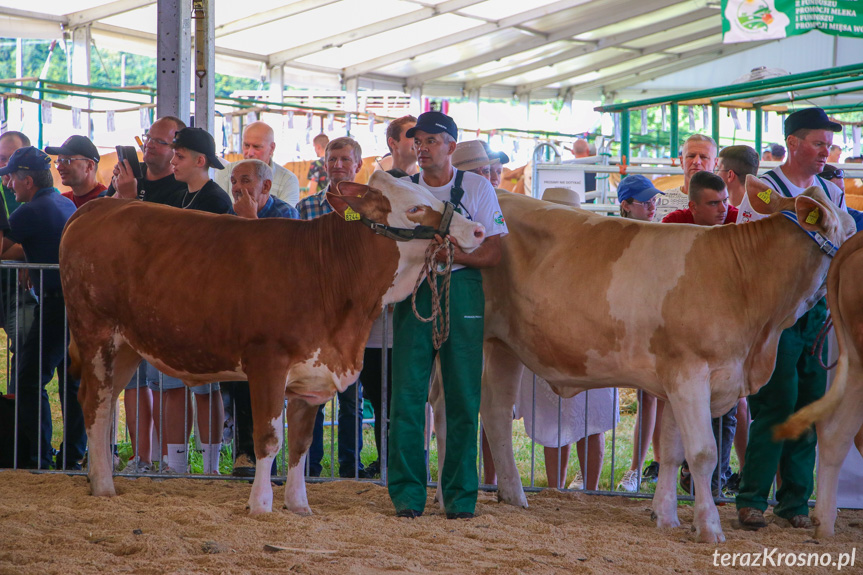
x=37, y=225
x=275, y=208
x=315, y=205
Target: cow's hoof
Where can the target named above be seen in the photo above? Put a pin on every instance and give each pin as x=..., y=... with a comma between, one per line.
x=305, y=511
x=666, y=522
x=706, y=536
x=515, y=500
x=103, y=491
x=259, y=510
x=823, y=532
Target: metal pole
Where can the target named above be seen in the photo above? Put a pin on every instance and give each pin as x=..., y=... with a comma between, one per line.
x=624, y=137
x=714, y=120
x=759, y=127
x=675, y=129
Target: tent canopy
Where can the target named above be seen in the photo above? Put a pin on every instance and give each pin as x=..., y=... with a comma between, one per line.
x=542, y=49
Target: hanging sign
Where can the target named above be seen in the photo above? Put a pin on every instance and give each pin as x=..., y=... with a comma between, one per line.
x=47, y=112
x=757, y=20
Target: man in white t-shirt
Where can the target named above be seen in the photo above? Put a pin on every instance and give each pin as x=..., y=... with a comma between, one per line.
x=460, y=355
x=698, y=154
x=797, y=379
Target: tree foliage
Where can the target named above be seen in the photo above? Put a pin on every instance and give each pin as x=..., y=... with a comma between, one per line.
x=105, y=67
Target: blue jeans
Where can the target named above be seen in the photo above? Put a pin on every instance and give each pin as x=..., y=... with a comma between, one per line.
x=32, y=397
x=724, y=427
x=350, y=436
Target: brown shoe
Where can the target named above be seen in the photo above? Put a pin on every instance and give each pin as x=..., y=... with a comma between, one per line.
x=751, y=518
x=801, y=522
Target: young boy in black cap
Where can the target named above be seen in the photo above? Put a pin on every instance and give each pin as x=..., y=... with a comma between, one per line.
x=194, y=154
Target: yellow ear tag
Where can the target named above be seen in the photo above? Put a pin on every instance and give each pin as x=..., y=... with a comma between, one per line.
x=351, y=215
x=764, y=196
x=813, y=217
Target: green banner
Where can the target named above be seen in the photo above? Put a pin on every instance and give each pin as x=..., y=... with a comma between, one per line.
x=755, y=20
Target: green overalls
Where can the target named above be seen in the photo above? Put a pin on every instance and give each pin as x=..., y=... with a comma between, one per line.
x=461, y=370
x=797, y=381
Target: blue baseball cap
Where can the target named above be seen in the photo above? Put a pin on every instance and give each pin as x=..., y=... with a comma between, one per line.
x=434, y=123
x=810, y=119
x=636, y=187
x=28, y=158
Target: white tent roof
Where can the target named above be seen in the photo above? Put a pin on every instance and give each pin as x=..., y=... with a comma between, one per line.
x=501, y=48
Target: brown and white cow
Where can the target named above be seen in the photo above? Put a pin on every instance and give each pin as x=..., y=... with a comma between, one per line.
x=690, y=314
x=838, y=416
x=285, y=304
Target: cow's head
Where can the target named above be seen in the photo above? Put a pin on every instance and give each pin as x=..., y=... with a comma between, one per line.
x=816, y=213
x=402, y=205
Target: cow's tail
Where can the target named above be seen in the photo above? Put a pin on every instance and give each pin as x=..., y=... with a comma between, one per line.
x=819, y=410
x=74, y=367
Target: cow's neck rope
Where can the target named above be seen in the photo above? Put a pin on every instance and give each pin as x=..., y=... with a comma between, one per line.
x=430, y=272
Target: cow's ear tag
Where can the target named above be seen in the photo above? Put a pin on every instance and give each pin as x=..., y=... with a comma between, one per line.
x=813, y=217
x=764, y=196
x=351, y=215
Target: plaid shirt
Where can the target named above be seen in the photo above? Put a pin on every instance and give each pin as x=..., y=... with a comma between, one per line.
x=314, y=205
x=274, y=208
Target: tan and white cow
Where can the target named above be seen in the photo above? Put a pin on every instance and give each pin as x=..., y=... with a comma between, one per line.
x=838, y=416
x=285, y=304
x=690, y=314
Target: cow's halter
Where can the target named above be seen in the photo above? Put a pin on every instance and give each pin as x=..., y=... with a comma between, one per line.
x=417, y=233
x=824, y=244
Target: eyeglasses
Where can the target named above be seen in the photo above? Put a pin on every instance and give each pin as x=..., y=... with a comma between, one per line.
x=651, y=203
x=832, y=174
x=68, y=161
x=148, y=139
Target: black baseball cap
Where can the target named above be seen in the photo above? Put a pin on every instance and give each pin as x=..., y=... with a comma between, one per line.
x=199, y=140
x=809, y=119
x=75, y=146
x=28, y=158
x=434, y=123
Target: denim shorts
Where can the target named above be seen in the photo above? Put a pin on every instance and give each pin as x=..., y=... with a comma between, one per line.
x=149, y=376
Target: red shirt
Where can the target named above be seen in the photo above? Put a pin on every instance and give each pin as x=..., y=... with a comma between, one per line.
x=685, y=217
x=91, y=195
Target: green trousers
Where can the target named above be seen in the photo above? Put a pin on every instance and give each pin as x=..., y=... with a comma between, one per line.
x=797, y=380
x=461, y=367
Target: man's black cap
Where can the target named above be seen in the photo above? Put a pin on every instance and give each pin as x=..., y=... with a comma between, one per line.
x=75, y=146
x=434, y=123
x=809, y=119
x=199, y=140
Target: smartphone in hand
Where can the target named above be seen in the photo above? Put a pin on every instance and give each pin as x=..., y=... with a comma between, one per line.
x=129, y=153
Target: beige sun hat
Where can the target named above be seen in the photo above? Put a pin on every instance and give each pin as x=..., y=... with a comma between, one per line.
x=563, y=196
x=470, y=156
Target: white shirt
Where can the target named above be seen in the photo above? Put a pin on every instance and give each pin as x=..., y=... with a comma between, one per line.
x=748, y=214
x=286, y=186
x=479, y=200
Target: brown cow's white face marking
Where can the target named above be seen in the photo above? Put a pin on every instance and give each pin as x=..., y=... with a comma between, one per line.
x=408, y=199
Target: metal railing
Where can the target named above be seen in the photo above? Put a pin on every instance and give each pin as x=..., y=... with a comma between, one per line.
x=12, y=287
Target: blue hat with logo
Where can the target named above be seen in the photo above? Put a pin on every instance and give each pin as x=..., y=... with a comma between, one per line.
x=434, y=123
x=636, y=187
x=28, y=158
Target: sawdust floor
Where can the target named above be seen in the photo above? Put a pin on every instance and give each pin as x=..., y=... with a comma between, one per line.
x=50, y=524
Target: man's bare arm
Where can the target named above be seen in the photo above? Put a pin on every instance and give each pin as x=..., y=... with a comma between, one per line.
x=485, y=256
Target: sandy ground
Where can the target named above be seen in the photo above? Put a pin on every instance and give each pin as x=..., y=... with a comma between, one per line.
x=50, y=524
